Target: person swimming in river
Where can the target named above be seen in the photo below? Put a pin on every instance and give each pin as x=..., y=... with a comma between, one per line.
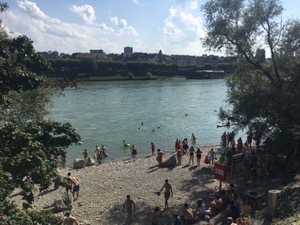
x=125, y=144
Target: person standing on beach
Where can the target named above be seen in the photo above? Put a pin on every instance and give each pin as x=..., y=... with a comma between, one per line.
x=74, y=182
x=211, y=157
x=68, y=186
x=97, y=154
x=133, y=152
x=159, y=157
x=103, y=153
x=70, y=220
x=192, y=154
x=168, y=192
x=198, y=155
x=129, y=205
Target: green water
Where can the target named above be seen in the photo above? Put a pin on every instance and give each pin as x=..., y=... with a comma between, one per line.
x=106, y=113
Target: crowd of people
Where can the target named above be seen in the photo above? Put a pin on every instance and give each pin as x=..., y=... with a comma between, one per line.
x=227, y=201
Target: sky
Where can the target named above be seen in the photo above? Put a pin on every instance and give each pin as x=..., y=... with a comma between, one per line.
x=69, y=26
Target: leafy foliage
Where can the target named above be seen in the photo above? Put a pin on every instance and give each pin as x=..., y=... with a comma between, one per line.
x=29, y=143
x=262, y=95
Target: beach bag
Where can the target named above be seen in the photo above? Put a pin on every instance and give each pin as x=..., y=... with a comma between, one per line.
x=206, y=161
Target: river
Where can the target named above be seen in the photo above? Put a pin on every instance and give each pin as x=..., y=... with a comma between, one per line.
x=141, y=112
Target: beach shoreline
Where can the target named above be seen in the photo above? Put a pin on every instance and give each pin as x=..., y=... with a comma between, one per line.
x=103, y=189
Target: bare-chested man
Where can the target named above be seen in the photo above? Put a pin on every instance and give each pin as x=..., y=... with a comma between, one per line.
x=74, y=182
x=168, y=192
x=129, y=205
x=70, y=220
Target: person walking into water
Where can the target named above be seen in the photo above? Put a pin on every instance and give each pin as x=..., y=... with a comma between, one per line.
x=133, y=152
x=152, y=148
x=168, y=192
x=97, y=154
x=130, y=206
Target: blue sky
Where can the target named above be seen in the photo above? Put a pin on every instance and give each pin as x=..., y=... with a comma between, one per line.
x=68, y=26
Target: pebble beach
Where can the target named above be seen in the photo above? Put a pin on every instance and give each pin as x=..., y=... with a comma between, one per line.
x=103, y=189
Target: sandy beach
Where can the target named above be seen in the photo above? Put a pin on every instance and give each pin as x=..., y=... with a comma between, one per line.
x=103, y=189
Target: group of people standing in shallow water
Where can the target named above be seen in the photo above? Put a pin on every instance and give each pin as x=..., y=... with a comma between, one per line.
x=182, y=148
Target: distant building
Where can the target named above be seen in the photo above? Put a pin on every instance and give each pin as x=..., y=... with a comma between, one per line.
x=128, y=51
x=96, y=51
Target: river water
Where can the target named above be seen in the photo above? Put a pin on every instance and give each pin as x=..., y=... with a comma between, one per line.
x=141, y=112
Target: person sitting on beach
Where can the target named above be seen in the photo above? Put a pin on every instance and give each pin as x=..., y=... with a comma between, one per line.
x=70, y=220
x=200, y=211
x=229, y=221
x=154, y=215
x=129, y=205
x=177, y=219
x=207, y=220
x=227, y=197
x=188, y=215
x=74, y=182
x=233, y=211
x=214, y=206
x=168, y=192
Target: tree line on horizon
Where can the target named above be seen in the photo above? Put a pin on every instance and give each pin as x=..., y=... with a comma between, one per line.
x=76, y=68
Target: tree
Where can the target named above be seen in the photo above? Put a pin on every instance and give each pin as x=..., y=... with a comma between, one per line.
x=160, y=56
x=29, y=142
x=262, y=96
